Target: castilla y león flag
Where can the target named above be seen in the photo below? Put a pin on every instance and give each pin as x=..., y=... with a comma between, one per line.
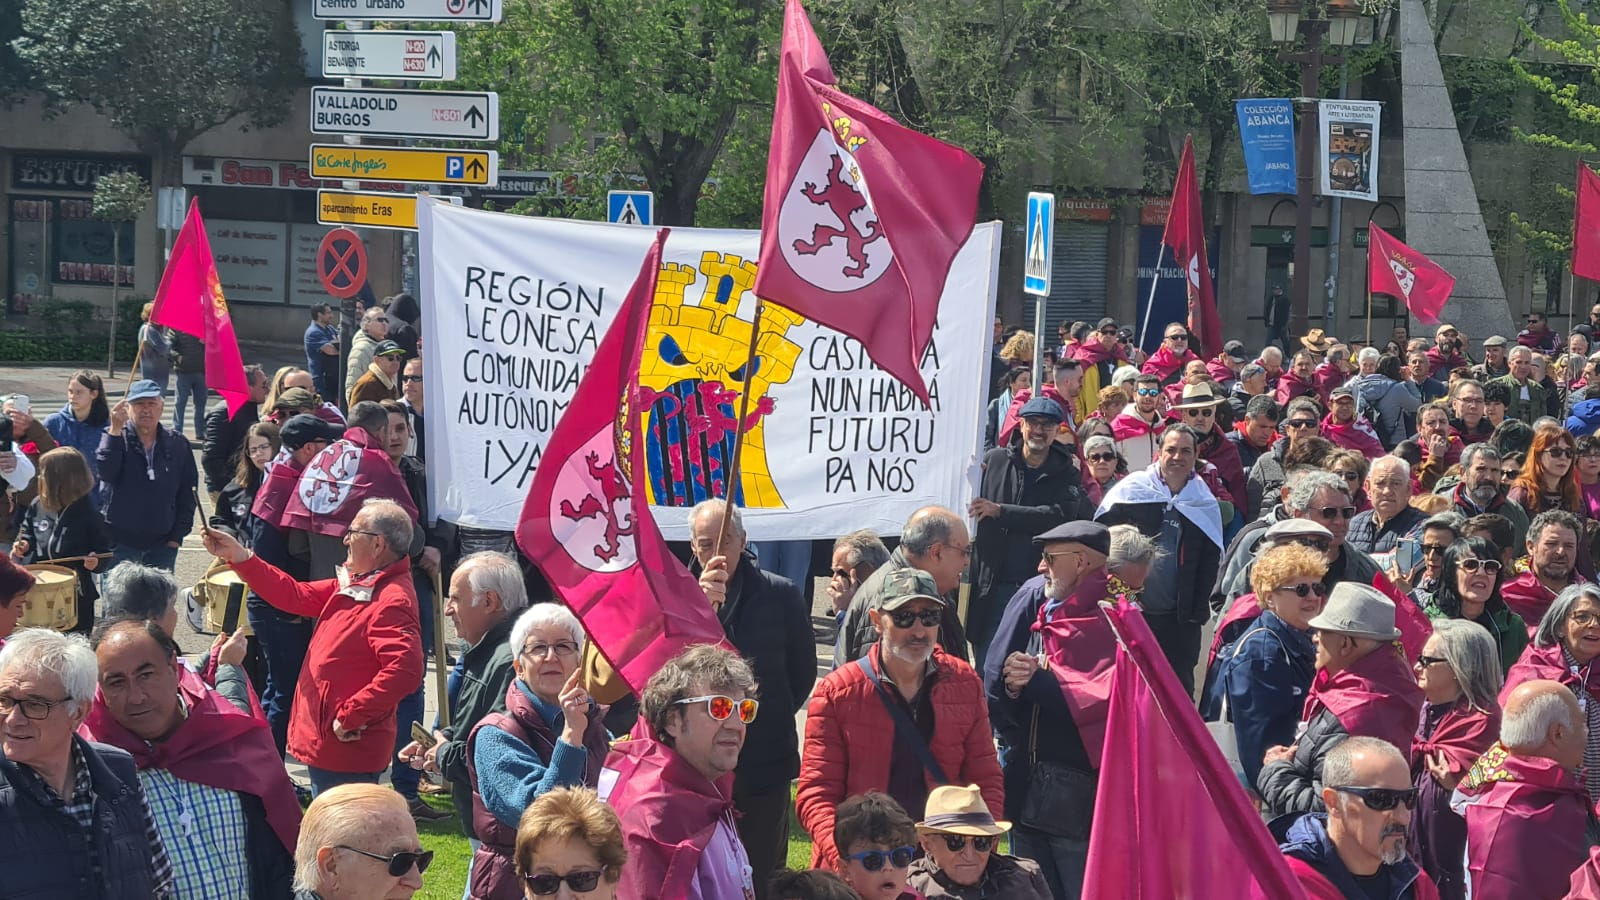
x=862, y=216
x=190, y=300
x=1171, y=778
x=587, y=524
x=1586, y=225
x=1186, y=235
x=1399, y=271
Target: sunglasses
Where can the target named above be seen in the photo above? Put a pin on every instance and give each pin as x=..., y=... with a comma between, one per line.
x=1200, y=413
x=411, y=379
x=1300, y=423
x=548, y=884
x=1148, y=392
x=1434, y=549
x=400, y=863
x=1343, y=512
x=1426, y=661
x=873, y=860
x=1351, y=477
x=1559, y=452
x=720, y=707
x=958, y=842
x=1321, y=545
x=1305, y=590
x=1177, y=337
x=905, y=618
x=1383, y=799
x=1473, y=564
x=1102, y=457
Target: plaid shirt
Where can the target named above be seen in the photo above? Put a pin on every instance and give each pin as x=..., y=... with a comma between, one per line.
x=205, y=826
x=81, y=811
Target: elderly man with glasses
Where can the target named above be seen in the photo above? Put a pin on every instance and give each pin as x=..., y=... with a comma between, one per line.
x=73, y=817
x=374, y=329
x=1392, y=519
x=365, y=654
x=1174, y=353
x=358, y=842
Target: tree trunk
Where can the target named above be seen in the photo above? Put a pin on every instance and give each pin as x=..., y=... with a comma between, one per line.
x=116, y=287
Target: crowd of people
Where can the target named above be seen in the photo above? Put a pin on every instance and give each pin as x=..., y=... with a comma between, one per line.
x=1386, y=554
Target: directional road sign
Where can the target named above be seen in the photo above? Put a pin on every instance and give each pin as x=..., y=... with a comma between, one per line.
x=417, y=165
x=411, y=55
x=370, y=209
x=451, y=115
x=630, y=207
x=410, y=10
x=1041, y=244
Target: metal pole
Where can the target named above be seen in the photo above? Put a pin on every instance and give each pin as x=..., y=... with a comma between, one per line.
x=1038, y=342
x=441, y=659
x=1336, y=240
x=1150, y=301
x=734, y=474
x=1305, y=184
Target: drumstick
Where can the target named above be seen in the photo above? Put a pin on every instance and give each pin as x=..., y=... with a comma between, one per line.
x=204, y=528
x=63, y=559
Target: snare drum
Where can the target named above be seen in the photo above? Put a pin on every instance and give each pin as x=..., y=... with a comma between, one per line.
x=52, y=602
x=212, y=592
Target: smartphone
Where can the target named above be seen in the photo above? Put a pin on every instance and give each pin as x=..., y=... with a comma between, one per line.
x=5, y=434
x=422, y=736
x=1407, y=555
x=230, y=615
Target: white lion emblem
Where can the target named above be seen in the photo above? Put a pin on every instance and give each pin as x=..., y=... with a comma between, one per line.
x=326, y=485
x=1404, y=275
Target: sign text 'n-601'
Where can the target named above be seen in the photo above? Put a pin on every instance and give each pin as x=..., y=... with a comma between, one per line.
x=414, y=165
x=409, y=55
x=410, y=10
x=451, y=115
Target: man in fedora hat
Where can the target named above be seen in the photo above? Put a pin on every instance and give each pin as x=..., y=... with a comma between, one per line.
x=1363, y=686
x=1300, y=379
x=1347, y=429
x=1047, y=680
x=1197, y=408
x=1448, y=351
x=1317, y=341
x=963, y=861
x=1028, y=487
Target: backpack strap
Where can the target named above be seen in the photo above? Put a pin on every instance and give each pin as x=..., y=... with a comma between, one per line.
x=903, y=725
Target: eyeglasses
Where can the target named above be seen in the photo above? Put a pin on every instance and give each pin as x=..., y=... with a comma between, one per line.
x=1434, y=549
x=1304, y=590
x=1206, y=413
x=720, y=707
x=1108, y=332
x=564, y=649
x=1343, y=512
x=1383, y=799
x=32, y=708
x=1559, y=452
x=1426, y=661
x=1580, y=619
x=1300, y=423
x=905, y=618
x=1102, y=457
x=957, y=842
x=359, y=531
x=839, y=573
x=1148, y=392
x=1473, y=564
x=410, y=379
x=965, y=551
x=546, y=884
x=400, y=863
x=1319, y=544
x=1469, y=400
x=1177, y=337
x=1351, y=477
x=873, y=860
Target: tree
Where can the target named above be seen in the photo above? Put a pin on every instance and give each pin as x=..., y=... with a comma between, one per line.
x=165, y=71
x=118, y=198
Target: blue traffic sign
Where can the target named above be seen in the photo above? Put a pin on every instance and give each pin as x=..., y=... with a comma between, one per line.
x=630, y=207
x=455, y=166
x=1041, y=244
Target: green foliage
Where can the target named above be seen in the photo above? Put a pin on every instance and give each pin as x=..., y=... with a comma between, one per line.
x=66, y=329
x=165, y=71
x=120, y=197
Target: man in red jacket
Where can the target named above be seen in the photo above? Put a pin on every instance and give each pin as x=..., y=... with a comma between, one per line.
x=904, y=719
x=365, y=654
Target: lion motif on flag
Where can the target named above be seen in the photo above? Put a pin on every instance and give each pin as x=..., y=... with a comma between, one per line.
x=829, y=234
x=1403, y=275
x=591, y=511
x=326, y=484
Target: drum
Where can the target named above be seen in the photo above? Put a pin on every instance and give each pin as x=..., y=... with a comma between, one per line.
x=212, y=592
x=52, y=602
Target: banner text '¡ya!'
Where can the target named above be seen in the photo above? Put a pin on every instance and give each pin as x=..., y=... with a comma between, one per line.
x=526, y=290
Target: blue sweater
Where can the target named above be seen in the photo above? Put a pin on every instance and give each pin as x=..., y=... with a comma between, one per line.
x=511, y=774
x=149, y=499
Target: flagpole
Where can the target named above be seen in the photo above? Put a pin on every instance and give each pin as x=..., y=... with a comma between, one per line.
x=441, y=659
x=732, y=477
x=1149, y=303
x=1369, y=286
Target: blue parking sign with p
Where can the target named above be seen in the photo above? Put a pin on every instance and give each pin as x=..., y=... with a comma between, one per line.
x=1040, y=243
x=455, y=166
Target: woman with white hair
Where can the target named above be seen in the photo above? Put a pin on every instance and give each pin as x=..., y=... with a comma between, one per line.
x=1459, y=672
x=1103, y=466
x=62, y=796
x=551, y=735
x=1565, y=647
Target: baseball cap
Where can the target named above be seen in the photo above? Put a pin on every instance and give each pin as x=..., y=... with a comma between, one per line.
x=389, y=348
x=303, y=429
x=1235, y=350
x=143, y=389
x=905, y=585
x=295, y=398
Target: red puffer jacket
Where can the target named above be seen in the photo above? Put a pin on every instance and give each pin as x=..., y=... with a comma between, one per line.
x=365, y=656
x=850, y=736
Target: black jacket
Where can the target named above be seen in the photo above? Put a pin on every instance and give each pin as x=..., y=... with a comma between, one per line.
x=1026, y=510
x=768, y=622
x=1198, y=558
x=187, y=353
x=224, y=441
x=78, y=531
x=1295, y=785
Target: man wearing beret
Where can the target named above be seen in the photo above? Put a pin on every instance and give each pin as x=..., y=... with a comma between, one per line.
x=1029, y=486
x=1047, y=680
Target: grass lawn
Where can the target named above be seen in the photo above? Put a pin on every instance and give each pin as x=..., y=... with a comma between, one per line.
x=447, y=877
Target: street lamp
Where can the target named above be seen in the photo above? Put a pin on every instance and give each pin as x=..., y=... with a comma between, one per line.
x=1314, y=19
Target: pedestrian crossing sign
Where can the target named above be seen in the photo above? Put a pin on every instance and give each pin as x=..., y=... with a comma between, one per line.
x=1041, y=243
x=630, y=207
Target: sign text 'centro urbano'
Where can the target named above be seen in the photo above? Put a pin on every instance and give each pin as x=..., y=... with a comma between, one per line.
x=410, y=10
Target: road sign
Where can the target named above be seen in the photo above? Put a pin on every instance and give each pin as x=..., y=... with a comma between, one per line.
x=416, y=165
x=450, y=115
x=342, y=263
x=630, y=207
x=370, y=209
x=410, y=10
x=411, y=55
x=1041, y=243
